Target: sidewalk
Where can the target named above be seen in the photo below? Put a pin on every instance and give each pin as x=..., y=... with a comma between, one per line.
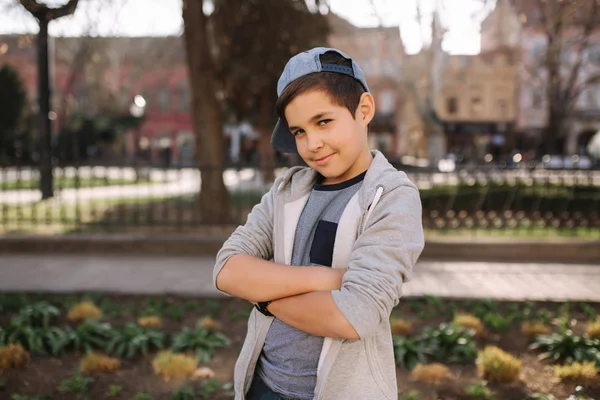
x=192, y=276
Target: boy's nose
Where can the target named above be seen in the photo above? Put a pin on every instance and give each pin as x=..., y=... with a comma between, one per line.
x=314, y=141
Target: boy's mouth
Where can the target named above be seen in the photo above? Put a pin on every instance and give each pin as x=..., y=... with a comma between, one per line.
x=324, y=160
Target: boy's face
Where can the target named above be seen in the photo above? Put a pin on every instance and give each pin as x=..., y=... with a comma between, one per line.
x=329, y=138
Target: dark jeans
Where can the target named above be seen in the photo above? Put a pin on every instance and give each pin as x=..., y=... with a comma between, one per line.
x=260, y=391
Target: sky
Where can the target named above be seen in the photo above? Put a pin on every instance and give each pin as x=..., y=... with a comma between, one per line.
x=163, y=17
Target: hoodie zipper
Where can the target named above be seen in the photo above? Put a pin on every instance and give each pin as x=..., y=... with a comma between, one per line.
x=364, y=218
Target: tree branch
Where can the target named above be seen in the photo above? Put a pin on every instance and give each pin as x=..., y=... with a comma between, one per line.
x=587, y=30
x=43, y=12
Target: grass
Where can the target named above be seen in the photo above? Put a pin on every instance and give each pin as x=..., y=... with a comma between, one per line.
x=66, y=182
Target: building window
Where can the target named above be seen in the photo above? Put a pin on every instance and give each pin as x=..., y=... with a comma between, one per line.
x=536, y=100
x=452, y=105
x=476, y=106
x=185, y=98
x=502, y=108
x=163, y=100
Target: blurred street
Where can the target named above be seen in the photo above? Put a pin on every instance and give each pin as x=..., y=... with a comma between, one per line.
x=192, y=276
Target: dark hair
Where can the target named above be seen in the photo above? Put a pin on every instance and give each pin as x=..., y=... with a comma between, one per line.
x=344, y=90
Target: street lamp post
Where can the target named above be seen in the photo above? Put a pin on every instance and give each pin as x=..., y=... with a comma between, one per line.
x=137, y=109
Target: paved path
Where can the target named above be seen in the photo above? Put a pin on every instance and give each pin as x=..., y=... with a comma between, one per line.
x=193, y=276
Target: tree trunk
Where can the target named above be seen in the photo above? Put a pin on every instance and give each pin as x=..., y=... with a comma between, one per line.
x=45, y=127
x=213, y=201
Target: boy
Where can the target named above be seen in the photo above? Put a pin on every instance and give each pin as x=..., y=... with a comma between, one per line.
x=342, y=234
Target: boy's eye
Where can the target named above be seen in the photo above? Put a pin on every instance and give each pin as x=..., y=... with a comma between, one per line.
x=324, y=122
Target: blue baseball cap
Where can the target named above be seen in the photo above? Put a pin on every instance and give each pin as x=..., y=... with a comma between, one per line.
x=302, y=64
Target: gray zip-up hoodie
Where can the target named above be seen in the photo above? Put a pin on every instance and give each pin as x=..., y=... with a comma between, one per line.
x=379, y=238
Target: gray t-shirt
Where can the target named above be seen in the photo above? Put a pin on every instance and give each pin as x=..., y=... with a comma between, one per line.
x=289, y=359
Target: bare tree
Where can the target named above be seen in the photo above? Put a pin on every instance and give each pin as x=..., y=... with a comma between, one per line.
x=44, y=14
x=568, y=27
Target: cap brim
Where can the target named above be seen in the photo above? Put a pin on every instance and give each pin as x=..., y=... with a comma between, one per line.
x=282, y=139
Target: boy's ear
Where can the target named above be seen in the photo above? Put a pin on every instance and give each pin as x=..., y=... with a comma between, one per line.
x=366, y=109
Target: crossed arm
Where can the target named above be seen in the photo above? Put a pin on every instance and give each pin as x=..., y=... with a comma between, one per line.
x=303, y=294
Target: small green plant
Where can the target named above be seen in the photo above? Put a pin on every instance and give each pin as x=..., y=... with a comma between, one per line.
x=540, y=396
x=19, y=332
x=37, y=314
x=588, y=310
x=479, y=390
x=113, y=391
x=498, y=322
x=11, y=303
x=192, y=306
x=174, y=312
x=565, y=348
x=3, y=338
x=91, y=335
x=25, y=397
x=202, y=341
x=77, y=384
x=409, y=352
x=185, y=393
x=153, y=306
x=544, y=316
x=450, y=344
x=207, y=389
x=142, y=396
x=411, y=395
x=132, y=340
x=212, y=307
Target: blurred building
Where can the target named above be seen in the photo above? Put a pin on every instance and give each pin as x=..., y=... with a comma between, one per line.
x=517, y=27
x=464, y=105
x=99, y=76
x=380, y=54
x=103, y=75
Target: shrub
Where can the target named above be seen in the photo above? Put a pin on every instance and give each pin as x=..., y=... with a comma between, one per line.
x=76, y=384
x=450, y=344
x=496, y=365
x=479, y=390
x=593, y=329
x=90, y=335
x=133, y=339
x=401, y=327
x=169, y=365
x=200, y=340
x=19, y=332
x=533, y=329
x=586, y=371
x=567, y=348
x=469, y=321
x=185, y=393
x=84, y=310
x=431, y=373
x=151, y=321
x=210, y=324
x=94, y=363
x=499, y=322
x=411, y=395
x=409, y=352
x=142, y=396
x=13, y=356
x=36, y=315
x=113, y=391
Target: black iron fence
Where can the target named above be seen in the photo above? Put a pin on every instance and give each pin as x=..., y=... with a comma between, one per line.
x=103, y=198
